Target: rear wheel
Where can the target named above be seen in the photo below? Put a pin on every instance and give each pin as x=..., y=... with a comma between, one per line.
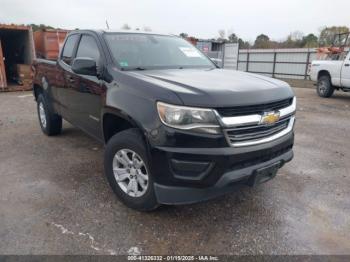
x=50, y=123
x=324, y=86
x=127, y=170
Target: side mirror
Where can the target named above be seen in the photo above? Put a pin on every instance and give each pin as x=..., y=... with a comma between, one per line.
x=84, y=66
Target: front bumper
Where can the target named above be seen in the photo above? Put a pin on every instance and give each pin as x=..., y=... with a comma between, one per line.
x=228, y=182
x=209, y=172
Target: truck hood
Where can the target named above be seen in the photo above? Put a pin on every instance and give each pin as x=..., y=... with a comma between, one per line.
x=218, y=87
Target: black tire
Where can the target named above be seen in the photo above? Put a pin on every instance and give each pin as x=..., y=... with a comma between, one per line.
x=130, y=139
x=53, y=124
x=324, y=86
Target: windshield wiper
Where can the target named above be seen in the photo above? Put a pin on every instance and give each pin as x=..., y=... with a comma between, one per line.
x=139, y=68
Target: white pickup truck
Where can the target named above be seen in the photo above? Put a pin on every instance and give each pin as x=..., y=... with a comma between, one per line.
x=331, y=75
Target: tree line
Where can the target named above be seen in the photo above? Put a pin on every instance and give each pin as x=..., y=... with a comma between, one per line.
x=295, y=39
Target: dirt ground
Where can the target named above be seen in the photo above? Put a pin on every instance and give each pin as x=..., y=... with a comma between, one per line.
x=54, y=198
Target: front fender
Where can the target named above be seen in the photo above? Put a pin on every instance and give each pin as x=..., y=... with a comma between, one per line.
x=140, y=110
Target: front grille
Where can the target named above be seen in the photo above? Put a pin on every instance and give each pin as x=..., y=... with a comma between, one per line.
x=255, y=132
x=254, y=109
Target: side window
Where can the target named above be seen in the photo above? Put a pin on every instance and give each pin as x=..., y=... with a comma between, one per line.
x=88, y=48
x=68, y=49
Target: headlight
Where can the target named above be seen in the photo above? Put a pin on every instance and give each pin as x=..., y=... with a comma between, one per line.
x=188, y=118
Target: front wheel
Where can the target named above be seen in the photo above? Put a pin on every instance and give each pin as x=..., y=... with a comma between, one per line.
x=324, y=86
x=128, y=171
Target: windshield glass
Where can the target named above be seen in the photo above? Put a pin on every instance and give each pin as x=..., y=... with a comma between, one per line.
x=134, y=51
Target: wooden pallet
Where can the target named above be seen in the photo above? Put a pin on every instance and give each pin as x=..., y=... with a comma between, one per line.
x=16, y=88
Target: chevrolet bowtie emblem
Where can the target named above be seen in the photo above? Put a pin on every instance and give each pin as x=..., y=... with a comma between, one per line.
x=270, y=118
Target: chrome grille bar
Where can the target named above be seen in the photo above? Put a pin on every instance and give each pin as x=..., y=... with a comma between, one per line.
x=254, y=119
x=248, y=135
x=265, y=139
x=247, y=130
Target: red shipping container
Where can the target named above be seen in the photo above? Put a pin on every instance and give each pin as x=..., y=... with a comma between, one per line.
x=16, y=47
x=48, y=43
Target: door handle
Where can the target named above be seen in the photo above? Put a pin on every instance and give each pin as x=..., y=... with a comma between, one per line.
x=347, y=65
x=71, y=80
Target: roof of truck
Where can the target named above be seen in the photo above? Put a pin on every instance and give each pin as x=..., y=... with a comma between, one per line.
x=101, y=31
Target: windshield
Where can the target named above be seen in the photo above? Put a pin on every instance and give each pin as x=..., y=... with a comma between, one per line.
x=134, y=51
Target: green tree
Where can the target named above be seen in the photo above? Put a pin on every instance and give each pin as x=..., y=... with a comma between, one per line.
x=36, y=27
x=243, y=44
x=126, y=27
x=327, y=34
x=294, y=40
x=233, y=38
x=262, y=41
x=222, y=35
x=184, y=35
x=310, y=41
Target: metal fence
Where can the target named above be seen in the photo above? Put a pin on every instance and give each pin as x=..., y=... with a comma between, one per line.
x=230, y=56
x=281, y=63
x=227, y=57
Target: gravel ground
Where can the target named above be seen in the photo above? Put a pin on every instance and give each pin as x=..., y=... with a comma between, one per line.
x=54, y=198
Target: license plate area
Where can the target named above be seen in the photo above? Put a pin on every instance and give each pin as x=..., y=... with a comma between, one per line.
x=264, y=174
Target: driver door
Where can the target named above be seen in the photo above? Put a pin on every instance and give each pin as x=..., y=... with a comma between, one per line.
x=345, y=72
x=88, y=92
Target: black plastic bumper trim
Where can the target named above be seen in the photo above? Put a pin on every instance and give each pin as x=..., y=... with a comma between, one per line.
x=194, y=170
x=227, y=183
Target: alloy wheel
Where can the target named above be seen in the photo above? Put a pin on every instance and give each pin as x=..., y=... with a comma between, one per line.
x=322, y=87
x=42, y=114
x=130, y=172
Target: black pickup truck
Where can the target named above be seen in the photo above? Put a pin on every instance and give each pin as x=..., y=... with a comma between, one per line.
x=177, y=128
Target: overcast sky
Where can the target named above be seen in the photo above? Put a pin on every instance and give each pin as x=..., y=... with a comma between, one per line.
x=200, y=18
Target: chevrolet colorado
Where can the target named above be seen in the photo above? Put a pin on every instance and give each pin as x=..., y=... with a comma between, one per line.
x=177, y=129
x=331, y=75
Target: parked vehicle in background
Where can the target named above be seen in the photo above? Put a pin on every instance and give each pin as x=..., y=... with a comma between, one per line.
x=177, y=129
x=332, y=69
x=331, y=75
